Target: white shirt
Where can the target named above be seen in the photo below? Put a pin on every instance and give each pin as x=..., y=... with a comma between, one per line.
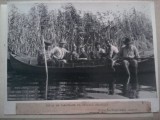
x=114, y=50
x=58, y=52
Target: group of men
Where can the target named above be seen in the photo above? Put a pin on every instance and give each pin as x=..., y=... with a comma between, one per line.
x=58, y=53
x=128, y=54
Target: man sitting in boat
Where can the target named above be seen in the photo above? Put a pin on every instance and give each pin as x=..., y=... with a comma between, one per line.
x=41, y=57
x=129, y=55
x=58, y=53
x=83, y=55
x=74, y=53
x=99, y=52
x=111, y=52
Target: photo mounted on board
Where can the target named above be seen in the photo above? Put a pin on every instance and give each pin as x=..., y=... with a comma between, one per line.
x=80, y=50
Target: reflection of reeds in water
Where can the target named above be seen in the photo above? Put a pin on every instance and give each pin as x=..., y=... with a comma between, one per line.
x=20, y=87
x=65, y=90
x=23, y=88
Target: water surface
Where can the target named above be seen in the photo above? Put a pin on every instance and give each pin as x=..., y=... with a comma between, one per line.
x=27, y=88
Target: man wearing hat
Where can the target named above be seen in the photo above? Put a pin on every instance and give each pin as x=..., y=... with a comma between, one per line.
x=58, y=53
x=129, y=55
x=83, y=55
x=41, y=59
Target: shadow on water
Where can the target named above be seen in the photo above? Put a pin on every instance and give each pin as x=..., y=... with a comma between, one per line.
x=21, y=87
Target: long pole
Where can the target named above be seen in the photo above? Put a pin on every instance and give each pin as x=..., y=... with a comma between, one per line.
x=46, y=68
x=44, y=52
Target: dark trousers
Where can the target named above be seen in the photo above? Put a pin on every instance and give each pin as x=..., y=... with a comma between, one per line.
x=112, y=79
x=131, y=74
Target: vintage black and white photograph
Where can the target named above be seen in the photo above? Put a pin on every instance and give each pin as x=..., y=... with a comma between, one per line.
x=80, y=50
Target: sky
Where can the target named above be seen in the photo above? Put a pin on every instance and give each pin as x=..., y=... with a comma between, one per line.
x=94, y=7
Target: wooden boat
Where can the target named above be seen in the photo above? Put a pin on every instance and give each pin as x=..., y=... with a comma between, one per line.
x=29, y=66
x=88, y=69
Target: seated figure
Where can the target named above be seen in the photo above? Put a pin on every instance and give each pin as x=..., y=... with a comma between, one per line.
x=58, y=53
x=41, y=57
x=129, y=55
x=83, y=55
x=99, y=52
x=74, y=53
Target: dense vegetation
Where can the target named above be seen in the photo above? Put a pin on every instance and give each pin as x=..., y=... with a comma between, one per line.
x=76, y=27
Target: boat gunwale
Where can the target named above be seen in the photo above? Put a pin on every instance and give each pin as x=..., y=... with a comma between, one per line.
x=65, y=67
x=52, y=67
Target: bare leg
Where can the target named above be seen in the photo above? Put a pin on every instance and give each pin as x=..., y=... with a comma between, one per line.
x=127, y=76
x=112, y=80
x=134, y=80
x=134, y=71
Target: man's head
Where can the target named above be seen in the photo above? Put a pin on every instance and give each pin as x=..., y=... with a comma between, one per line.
x=108, y=43
x=97, y=45
x=127, y=41
x=62, y=43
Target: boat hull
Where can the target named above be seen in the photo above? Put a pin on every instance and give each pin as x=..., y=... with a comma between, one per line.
x=84, y=73
x=77, y=71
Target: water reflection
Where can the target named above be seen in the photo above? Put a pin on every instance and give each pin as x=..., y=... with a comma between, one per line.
x=21, y=88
